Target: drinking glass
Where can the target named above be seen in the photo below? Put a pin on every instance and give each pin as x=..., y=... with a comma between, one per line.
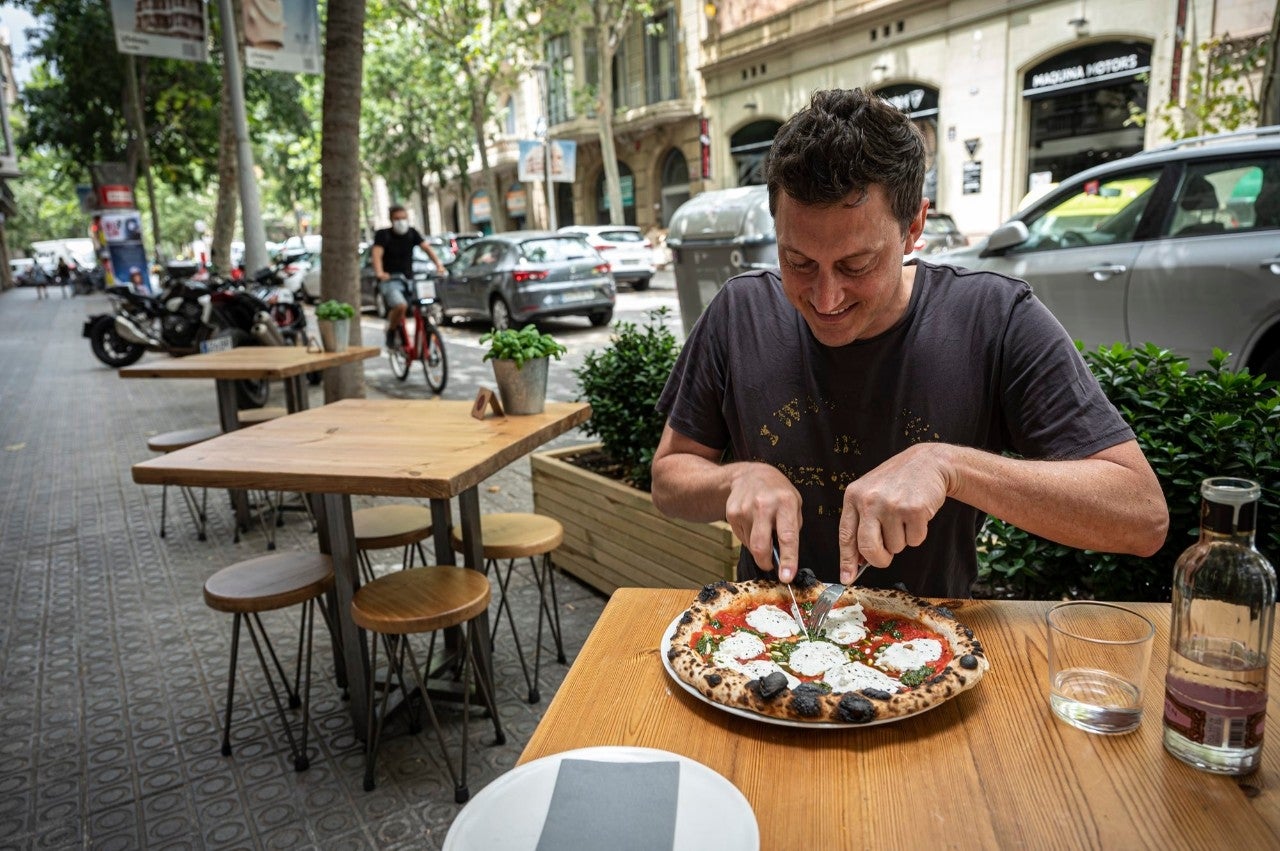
x=1099, y=654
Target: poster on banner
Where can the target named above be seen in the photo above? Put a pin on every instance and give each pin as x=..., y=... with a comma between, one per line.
x=282, y=35
x=122, y=232
x=170, y=29
x=533, y=162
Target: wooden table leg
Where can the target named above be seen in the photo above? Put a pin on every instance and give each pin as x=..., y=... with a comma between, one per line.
x=337, y=509
x=473, y=557
x=227, y=417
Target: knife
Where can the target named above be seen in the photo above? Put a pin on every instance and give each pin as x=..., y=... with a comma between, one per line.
x=795, y=608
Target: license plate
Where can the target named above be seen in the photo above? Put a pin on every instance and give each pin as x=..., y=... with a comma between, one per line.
x=630, y=261
x=584, y=295
x=216, y=344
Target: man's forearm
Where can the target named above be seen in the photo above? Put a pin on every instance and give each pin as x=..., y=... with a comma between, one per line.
x=1111, y=501
x=691, y=488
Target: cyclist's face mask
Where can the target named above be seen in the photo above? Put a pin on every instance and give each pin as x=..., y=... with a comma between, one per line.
x=400, y=226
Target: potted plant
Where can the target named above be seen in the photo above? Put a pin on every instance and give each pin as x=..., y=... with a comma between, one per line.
x=600, y=492
x=334, y=318
x=520, y=366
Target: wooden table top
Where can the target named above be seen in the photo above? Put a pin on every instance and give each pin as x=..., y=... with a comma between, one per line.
x=991, y=768
x=269, y=362
x=432, y=449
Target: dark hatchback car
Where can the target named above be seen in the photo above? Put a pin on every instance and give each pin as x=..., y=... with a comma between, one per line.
x=514, y=278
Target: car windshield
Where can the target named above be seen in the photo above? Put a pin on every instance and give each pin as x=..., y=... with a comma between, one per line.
x=555, y=249
x=939, y=225
x=621, y=236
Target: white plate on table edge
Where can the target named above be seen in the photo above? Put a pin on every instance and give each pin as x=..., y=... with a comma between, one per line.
x=756, y=716
x=708, y=806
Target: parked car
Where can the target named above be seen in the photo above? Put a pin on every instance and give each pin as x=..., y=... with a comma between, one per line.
x=514, y=278
x=455, y=240
x=630, y=255
x=1178, y=246
x=20, y=270
x=940, y=234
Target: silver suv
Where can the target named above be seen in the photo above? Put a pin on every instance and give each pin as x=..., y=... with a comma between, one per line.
x=1178, y=246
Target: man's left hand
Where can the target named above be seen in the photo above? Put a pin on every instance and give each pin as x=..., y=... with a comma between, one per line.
x=889, y=509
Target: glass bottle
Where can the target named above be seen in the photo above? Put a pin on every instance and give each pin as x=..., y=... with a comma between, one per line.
x=1224, y=594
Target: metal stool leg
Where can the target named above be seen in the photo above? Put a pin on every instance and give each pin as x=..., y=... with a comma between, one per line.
x=164, y=499
x=553, y=621
x=299, y=756
x=231, y=684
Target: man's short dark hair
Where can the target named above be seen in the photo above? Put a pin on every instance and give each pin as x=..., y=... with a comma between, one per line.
x=396, y=208
x=842, y=142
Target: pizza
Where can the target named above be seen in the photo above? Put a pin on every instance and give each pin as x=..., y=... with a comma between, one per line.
x=881, y=654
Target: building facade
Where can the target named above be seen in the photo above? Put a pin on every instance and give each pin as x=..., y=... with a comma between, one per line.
x=1011, y=97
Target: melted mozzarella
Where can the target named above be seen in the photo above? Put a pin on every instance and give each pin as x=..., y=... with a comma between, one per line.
x=810, y=658
x=740, y=645
x=771, y=620
x=855, y=676
x=761, y=668
x=909, y=655
x=846, y=625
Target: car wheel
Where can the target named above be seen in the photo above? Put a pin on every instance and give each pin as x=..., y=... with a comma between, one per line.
x=601, y=318
x=500, y=314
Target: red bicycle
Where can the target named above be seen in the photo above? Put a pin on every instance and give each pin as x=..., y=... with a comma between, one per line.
x=426, y=345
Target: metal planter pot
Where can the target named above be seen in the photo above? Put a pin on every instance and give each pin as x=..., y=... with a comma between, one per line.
x=334, y=334
x=522, y=391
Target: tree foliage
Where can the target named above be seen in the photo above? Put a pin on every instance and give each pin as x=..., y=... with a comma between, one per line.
x=1224, y=78
x=412, y=122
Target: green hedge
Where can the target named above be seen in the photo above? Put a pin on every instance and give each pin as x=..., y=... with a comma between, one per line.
x=1191, y=425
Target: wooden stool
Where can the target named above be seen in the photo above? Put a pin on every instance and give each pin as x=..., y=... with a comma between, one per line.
x=172, y=441
x=265, y=584
x=407, y=602
x=387, y=526
x=253, y=416
x=516, y=536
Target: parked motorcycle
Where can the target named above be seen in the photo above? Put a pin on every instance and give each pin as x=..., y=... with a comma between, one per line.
x=271, y=287
x=185, y=318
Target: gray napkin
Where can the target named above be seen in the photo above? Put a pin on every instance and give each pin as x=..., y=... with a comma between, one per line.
x=618, y=806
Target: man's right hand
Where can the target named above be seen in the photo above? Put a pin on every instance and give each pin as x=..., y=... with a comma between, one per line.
x=764, y=505
x=382, y=276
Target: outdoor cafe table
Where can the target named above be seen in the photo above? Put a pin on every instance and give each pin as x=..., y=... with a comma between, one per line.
x=990, y=768
x=429, y=449
x=255, y=363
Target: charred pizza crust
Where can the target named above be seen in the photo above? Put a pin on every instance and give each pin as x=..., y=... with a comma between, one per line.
x=809, y=703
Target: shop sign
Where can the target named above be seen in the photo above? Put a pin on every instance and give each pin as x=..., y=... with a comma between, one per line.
x=704, y=140
x=115, y=196
x=971, y=177
x=627, y=183
x=916, y=101
x=1086, y=66
x=480, y=206
x=516, y=201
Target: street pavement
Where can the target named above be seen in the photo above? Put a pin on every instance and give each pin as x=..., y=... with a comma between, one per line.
x=112, y=669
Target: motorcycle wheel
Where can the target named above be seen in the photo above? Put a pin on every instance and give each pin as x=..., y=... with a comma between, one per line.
x=250, y=393
x=435, y=364
x=110, y=348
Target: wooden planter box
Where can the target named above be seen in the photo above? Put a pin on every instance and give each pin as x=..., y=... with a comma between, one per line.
x=614, y=537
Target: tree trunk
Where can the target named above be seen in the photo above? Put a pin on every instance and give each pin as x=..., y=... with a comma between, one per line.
x=497, y=210
x=340, y=177
x=224, y=218
x=1269, y=102
x=604, y=118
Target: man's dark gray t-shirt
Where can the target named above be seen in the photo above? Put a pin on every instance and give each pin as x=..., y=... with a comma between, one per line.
x=976, y=360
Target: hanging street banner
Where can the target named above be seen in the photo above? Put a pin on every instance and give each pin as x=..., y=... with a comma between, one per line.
x=282, y=35
x=122, y=232
x=533, y=161
x=170, y=29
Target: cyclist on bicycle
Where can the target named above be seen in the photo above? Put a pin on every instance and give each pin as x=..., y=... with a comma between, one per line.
x=393, y=265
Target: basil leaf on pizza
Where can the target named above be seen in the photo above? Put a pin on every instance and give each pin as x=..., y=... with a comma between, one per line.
x=881, y=654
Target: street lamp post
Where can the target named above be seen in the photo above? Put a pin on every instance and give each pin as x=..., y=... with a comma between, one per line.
x=544, y=80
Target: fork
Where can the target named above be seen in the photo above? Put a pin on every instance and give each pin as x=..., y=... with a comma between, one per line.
x=822, y=608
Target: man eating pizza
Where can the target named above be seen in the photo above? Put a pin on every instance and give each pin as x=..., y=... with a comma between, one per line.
x=857, y=410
